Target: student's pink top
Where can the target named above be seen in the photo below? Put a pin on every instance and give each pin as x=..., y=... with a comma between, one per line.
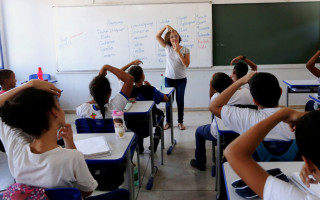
x=2, y=91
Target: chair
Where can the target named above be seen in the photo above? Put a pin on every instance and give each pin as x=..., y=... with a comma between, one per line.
x=269, y=151
x=87, y=125
x=35, y=76
x=63, y=194
x=118, y=194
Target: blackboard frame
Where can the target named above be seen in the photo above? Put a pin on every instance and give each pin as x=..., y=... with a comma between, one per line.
x=267, y=33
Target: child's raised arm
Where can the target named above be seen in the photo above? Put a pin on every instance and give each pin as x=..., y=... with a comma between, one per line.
x=239, y=152
x=311, y=64
x=39, y=84
x=252, y=65
x=126, y=78
x=135, y=62
x=160, y=32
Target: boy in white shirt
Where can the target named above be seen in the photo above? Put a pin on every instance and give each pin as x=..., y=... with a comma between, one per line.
x=266, y=92
x=218, y=83
x=239, y=155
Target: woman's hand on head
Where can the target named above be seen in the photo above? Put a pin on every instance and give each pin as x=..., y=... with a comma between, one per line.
x=169, y=28
x=45, y=85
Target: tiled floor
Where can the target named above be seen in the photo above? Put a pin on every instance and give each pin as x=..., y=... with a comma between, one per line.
x=176, y=179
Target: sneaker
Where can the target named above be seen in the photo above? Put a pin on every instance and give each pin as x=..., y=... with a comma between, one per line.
x=195, y=164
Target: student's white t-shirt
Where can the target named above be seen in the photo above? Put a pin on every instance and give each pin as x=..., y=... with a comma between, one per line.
x=241, y=119
x=174, y=67
x=241, y=96
x=56, y=168
x=86, y=110
x=276, y=189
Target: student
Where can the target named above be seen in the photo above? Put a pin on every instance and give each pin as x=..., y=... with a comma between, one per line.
x=7, y=80
x=218, y=83
x=239, y=154
x=101, y=107
x=316, y=72
x=311, y=64
x=142, y=90
x=30, y=118
x=109, y=176
x=240, y=68
x=177, y=61
x=266, y=92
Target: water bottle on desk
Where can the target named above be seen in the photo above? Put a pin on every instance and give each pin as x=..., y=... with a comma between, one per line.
x=40, y=73
x=161, y=82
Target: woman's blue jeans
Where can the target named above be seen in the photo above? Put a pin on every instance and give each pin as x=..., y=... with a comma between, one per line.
x=180, y=86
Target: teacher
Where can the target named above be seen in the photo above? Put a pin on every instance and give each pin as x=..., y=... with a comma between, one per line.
x=177, y=61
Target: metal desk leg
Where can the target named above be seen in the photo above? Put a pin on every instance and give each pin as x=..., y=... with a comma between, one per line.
x=287, y=96
x=218, y=164
x=173, y=141
x=129, y=173
x=154, y=169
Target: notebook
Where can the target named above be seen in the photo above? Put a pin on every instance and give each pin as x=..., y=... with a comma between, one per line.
x=314, y=188
x=93, y=147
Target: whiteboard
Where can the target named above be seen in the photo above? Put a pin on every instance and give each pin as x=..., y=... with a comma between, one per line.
x=88, y=37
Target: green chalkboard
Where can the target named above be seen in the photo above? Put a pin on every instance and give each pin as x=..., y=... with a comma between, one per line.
x=267, y=33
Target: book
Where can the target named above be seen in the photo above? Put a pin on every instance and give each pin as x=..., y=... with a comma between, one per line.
x=93, y=147
x=313, y=190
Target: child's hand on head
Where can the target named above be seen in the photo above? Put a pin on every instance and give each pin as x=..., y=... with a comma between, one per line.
x=136, y=62
x=169, y=28
x=45, y=85
x=236, y=59
x=103, y=70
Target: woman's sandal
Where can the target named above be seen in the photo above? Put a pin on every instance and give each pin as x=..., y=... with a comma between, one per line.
x=166, y=126
x=181, y=126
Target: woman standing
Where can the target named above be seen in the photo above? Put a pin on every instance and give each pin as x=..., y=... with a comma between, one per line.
x=177, y=60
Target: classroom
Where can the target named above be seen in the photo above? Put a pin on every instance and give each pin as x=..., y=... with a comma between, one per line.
x=29, y=31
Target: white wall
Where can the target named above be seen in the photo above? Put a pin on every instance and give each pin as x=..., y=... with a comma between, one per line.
x=28, y=42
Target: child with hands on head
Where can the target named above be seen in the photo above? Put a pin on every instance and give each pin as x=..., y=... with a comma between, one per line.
x=30, y=118
x=239, y=154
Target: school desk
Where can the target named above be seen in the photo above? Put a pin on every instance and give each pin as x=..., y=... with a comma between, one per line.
x=120, y=150
x=145, y=108
x=169, y=91
x=301, y=86
x=229, y=175
x=222, y=129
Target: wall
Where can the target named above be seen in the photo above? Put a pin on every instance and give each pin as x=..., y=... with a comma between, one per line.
x=28, y=42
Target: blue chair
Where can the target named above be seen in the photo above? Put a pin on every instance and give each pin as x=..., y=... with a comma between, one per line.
x=63, y=194
x=118, y=194
x=88, y=125
x=269, y=151
x=35, y=76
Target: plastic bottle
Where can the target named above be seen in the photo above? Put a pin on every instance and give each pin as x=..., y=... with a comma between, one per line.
x=161, y=82
x=40, y=73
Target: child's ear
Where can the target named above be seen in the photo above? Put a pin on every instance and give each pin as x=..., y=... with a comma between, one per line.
x=256, y=102
x=54, y=112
